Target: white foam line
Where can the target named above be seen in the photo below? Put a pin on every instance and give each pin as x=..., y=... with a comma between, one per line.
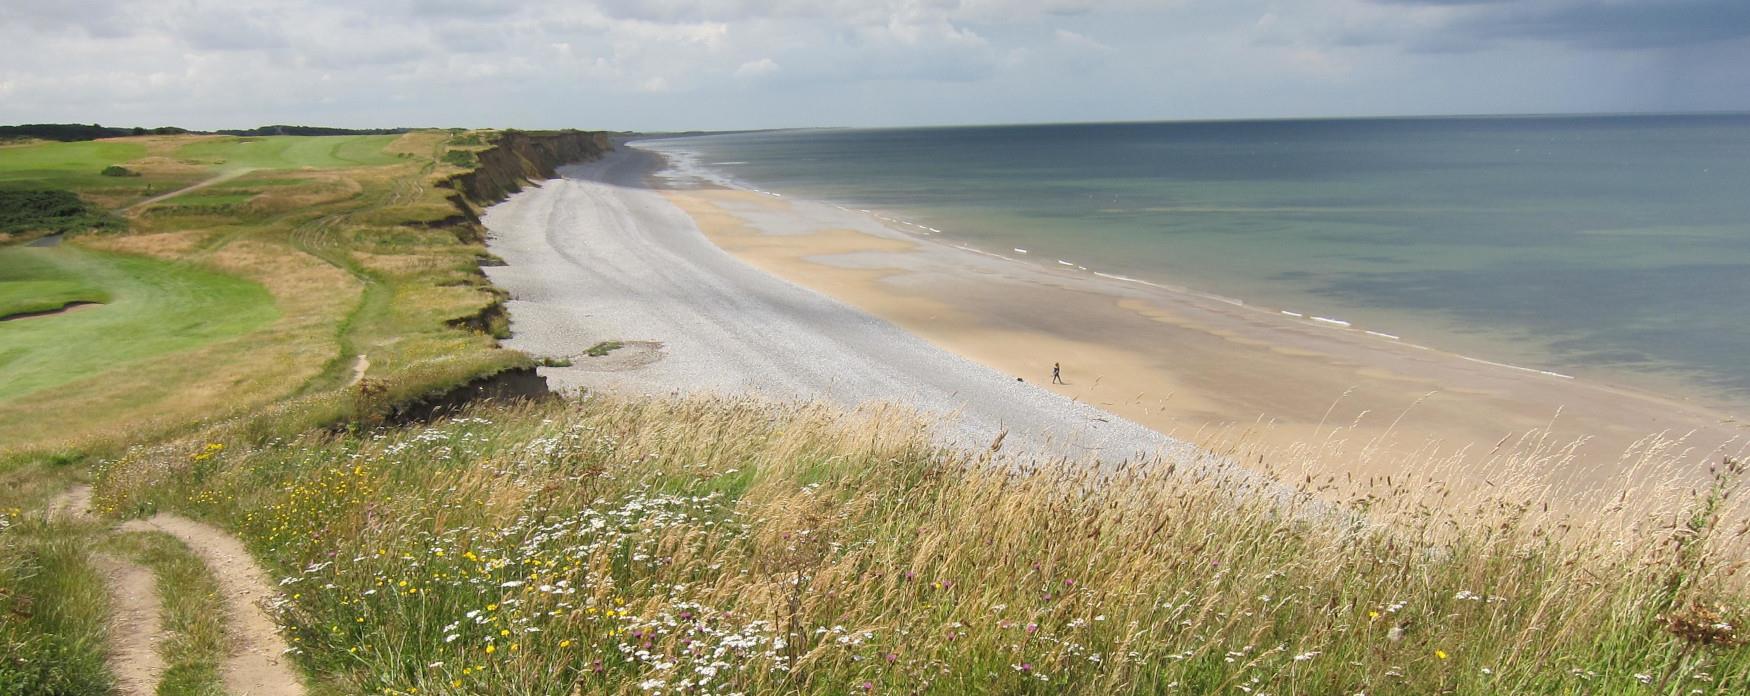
x=1019, y=250
x=1514, y=367
x=1333, y=322
x=1382, y=335
x=1062, y=262
x=1296, y=315
x=1129, y=279
x=980, y=252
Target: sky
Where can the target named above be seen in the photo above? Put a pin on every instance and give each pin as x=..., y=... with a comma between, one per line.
x=731, y=64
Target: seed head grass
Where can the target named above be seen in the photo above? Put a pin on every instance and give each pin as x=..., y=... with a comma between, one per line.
x=721, y=546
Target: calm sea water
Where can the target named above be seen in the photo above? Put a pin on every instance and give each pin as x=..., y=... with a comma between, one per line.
x=1597, y=246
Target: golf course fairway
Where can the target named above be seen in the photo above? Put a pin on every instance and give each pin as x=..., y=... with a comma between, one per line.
x=150, y=308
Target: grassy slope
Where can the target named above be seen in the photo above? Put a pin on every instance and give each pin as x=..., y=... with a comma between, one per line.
x=154, y=307
x=322, y=225
x=713, y=547
x=223, y=301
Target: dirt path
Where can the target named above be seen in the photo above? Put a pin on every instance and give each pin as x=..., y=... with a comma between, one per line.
x=358, y=369
x=257, y=665
x=135, y=625
x=222, y=178
x=73, y=504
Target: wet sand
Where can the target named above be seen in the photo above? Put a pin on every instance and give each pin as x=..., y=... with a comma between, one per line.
x=1293, y=394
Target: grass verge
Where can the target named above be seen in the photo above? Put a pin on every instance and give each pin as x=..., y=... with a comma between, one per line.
x=52, y=610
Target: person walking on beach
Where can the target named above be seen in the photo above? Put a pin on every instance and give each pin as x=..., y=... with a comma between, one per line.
x=1057, y=373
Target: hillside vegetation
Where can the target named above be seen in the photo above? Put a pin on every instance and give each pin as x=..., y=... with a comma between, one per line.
x=259, y=366
x=697, y=546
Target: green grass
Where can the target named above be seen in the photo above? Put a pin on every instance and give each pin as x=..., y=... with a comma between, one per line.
x=30, y=283
x=601, y=349
x=597, y=546
x=292, y=152
x=65, y=165
x=465, y=159
x=154, y=308
x=80, y=166
x=52, y=610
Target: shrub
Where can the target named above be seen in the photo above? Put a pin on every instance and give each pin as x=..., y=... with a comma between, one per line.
x=50, y=211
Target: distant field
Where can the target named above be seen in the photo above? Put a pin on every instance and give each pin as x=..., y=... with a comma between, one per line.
x=67, y=165
x=291, y=152
x=154, y=307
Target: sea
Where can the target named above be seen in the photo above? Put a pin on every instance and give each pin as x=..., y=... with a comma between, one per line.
x=1603, y=247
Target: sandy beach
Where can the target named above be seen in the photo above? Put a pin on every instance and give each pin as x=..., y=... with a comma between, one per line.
x=598, y=256
x=815, y=301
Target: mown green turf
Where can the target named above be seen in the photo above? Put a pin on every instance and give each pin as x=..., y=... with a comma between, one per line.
x=155, y=308
x=66, y=165
x=292, y=152
x=26, y=296
x=30, y=283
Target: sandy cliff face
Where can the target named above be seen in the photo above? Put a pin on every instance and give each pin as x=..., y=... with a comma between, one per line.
x=519, y=157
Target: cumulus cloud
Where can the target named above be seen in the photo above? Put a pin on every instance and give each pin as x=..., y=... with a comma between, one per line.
x=756, y=68
x=1080, y=41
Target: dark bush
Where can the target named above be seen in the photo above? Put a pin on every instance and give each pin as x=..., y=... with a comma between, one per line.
x=50, y=211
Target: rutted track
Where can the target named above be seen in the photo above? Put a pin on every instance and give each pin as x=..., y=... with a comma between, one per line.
x=256, y=664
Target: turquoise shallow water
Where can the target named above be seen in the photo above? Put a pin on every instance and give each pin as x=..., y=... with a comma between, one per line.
x=1612, y=247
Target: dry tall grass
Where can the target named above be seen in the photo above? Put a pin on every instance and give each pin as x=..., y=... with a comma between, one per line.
x=716, y=547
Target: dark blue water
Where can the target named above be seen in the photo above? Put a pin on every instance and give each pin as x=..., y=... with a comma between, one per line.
x=1597, y=246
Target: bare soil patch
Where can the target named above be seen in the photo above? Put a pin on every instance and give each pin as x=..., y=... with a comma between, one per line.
x=135, y=625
